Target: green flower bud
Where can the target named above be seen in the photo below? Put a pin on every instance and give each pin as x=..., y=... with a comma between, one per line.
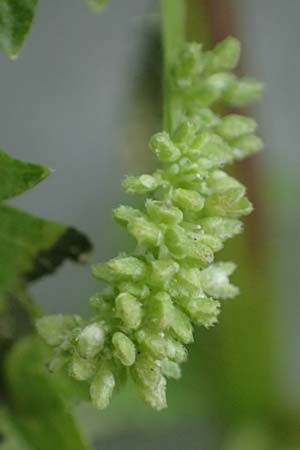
x=246, y=145
x=129, y=310
x=145, y=232
x=182, y=327
x=163, y=270
x=120, y=268
x=191, y=64
x=216, y=85
x=225, y=55
x=184, y=133
x=80, y=368
x=125, y=214
x=141, y=184
x=162, y=212
x=215, y=280
x=188, y=199
x=102, y=386
x=160, y=311
x=202, y=118
x=177, y=241
x=221, y=227
x=91, y=340
x=150, y=382
x=164, y=148
x=140, y=291
x=234, y=126
x=202, y=310
x=103, y=304
x=152, y=342
x=124, y=349
x=212, y=147
x=54, y=329
x=201, y=253
x=170, y=369
x=229, y=203
x=242, y=92
x=214, y=243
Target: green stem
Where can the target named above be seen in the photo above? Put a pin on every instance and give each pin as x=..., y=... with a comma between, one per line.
x=173, y=36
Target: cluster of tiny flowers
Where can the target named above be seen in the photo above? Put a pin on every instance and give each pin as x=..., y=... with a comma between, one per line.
x=144, y=319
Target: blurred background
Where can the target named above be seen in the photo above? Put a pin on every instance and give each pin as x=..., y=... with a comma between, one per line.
x=84, y=98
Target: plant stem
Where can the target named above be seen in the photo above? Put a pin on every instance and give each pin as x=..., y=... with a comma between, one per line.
x=173, y=36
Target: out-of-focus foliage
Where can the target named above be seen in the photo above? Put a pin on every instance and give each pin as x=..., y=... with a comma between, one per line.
x=30, y=246
x=16, y=17
x=37, y=416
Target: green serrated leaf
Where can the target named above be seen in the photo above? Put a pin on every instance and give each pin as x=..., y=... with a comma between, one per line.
x=16, y=17
x=41, y=415
x=30, y=246
x=18, y=176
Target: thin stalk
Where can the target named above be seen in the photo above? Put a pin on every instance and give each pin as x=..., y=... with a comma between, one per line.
x=173, y=36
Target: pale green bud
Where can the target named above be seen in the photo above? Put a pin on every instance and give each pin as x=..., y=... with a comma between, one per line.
x=182, y=327
x=217, y=84
x=243, y=91
x=184, y=133
x=201, y=253
x=102, y=386
x=234, y=126
x=160, y=311
x=188, y=199
x=215, y=280
x=202, y=310
x=177, y=241
x=246, y=145
x=163, y=212
x=170, y=369
x=91, y=340
x=229, y=203
x=163, y=270
x=150, y=382
x=175, y=350
x=221, y=181
x=141, y=184
x=145, y=232
x=54, y=329
x=125, y=214
x=140, y=291
x=164, y=148
x=153, y=342
x=120, y=268
x=80, y=368
x=225, y=55
x=190, y=64
x=124, y=349
x=129, y=310
x=214, y=243
x=212, y=147
x=221, y=227
x=103, y=304
x=202, y=118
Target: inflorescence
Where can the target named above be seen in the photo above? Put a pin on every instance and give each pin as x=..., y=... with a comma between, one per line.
x=144, y=320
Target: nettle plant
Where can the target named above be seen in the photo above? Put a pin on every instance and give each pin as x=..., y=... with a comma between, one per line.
x=143, y=319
